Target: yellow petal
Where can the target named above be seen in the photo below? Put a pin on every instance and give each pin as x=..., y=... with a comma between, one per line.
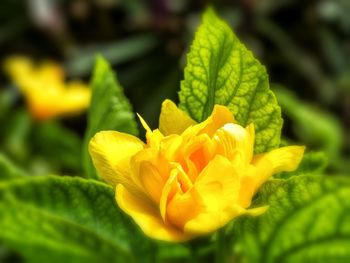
x=111, y=152
x=170, y=147
x=76, y=97
x=257, y=211
x=282, y=159
x=220, y=116
x=247, y=191
x=19, y=68
x=151, y=180
x=209, y=221
x=155, y=137
x=233, y=138
x=149, y=156
x=170, y=188
x=172, y=120
x=210, y=203
x=278, y=160
x=182, y=207
x=49, y=72
x=44, y=88
x=218, y=187
x=177, y=184
x=199, y=151
x=147, y=217
x=144, y=124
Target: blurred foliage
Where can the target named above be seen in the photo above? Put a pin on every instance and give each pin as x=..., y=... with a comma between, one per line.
x=305, y=46
x=8, y=170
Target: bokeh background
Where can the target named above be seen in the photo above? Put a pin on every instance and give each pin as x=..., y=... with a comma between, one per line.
x=305, y=46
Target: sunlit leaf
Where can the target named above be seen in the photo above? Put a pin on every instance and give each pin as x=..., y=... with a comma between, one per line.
x=308, y=221
x=220, y=70
x=55, y=219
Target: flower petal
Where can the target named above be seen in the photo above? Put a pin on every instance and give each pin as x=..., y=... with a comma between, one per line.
x=218, y=186
x=19, y=68
x=220, y=116
x=151, y=180
x=257, y=211
x=153, y=137
x=278, y=160
x=209, y=204
x=172, y=120
x=111, y=152
x=247, y=191
x=147, y=217
x=76, y=97
x=233, y=138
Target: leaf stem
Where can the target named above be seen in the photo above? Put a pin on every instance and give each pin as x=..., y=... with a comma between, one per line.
x=221, y=253
x=194, y=257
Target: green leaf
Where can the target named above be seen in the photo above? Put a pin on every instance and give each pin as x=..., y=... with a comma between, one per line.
x=220, y=70
x=9, y=170
x=308, y=221
x=65, y=219
x=312, y=163
x=109, y=109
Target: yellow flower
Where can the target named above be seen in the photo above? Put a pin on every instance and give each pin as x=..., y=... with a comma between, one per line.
x=44, y=88
x=189, y=179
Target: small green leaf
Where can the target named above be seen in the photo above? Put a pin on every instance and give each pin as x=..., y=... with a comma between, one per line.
x=65, y=219
x=109, y=109
x=9, y=170
x=220, y=70
x=312, y=163
x=308, y=221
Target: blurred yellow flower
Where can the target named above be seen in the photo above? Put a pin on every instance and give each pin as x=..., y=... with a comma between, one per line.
x=43, y=86
x=189, y=179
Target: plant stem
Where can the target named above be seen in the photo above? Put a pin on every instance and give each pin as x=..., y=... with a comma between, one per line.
x=194, y=255
x=220, y=255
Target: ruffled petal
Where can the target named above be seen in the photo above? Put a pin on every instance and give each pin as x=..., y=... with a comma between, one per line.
x=177, y=184
x=147, y=217
x=211, y=201
x=220, y=116
x=278, y=160
x=111, y=152
x=233, y=138
x=172, y=120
